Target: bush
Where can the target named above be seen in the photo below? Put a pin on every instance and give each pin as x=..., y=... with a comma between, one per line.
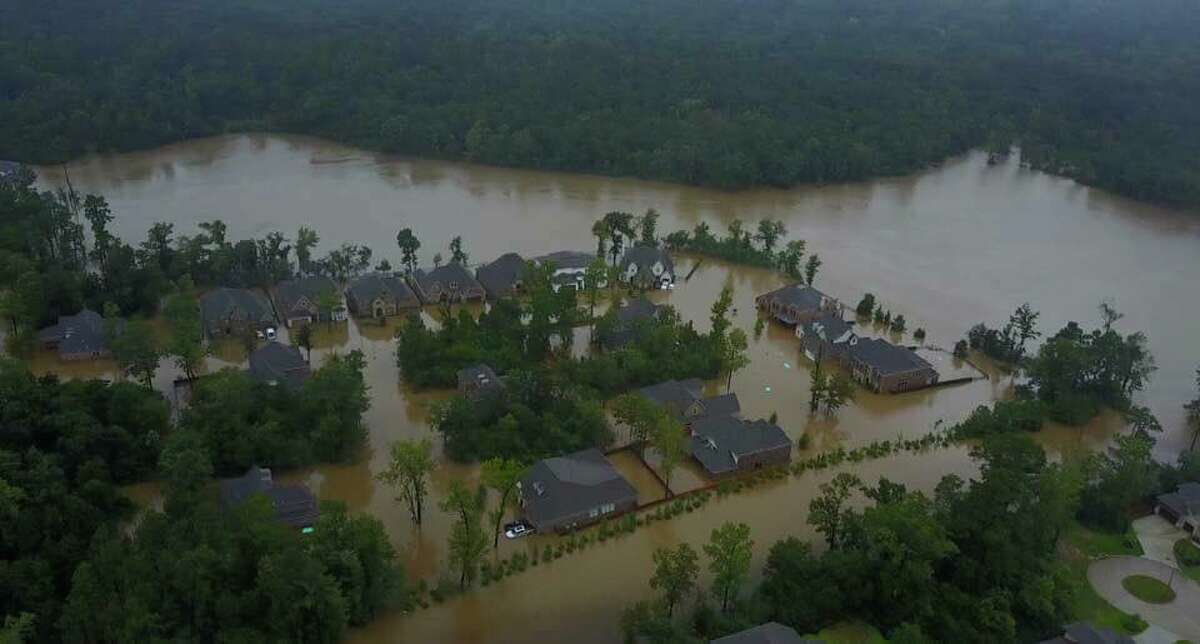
x=1187, y=553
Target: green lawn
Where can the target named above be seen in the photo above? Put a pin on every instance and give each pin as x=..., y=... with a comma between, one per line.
x=1079, y=544
x=850, y=633
x=1187, y=555
x=1148, y=589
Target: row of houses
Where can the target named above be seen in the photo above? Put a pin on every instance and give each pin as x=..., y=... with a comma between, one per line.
x=825, y=335
x=568, y=492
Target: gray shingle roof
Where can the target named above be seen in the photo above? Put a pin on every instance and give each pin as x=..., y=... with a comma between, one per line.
x=277, y=363
x=829, y=327
x=79, y=333
x=799, y=296
x=645, y=257
x=1184, y=501
x=886, y=357
x=221, y=303
x=444, y=275
x=499, y=276
x=717, y=439
x=294, y=505
x=366, y=288
x=289, y=293
x=567, y=259
x=677, y=396
x=769, y=633
x=563, y=486
x=627, y=317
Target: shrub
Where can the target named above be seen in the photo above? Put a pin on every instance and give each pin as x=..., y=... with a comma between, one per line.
x=1187, y=553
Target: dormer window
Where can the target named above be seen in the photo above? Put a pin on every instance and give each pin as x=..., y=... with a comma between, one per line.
x=453, y=286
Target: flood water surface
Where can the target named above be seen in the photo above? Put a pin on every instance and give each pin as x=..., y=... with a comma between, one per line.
x=961, y=244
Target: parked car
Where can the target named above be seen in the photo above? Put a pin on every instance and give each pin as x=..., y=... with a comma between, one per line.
x=518, y=529
x=271, y=335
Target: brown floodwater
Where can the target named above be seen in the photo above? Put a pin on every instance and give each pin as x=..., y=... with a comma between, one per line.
x=964, y=243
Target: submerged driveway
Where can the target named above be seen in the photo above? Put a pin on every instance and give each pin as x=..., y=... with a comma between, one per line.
x=1181, y=616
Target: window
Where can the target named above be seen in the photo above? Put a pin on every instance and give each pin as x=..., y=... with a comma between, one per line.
x=593, y=513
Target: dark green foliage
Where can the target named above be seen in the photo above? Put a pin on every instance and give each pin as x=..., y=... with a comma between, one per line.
x=1004, y=416
x=739, y=245
x=110, y=432
x=717, y=94
x=532, y=418
x=243, y=423
x=1126, y=473
x=866, y=306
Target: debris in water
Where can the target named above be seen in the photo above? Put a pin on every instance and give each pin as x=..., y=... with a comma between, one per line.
x=767, y=388
x=787, y=365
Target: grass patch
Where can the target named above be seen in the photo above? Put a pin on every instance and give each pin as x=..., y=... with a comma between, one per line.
x=1148, y=589
x=1094, y=543
x=850, y=633
x=1079, y=545
x=1187, y=555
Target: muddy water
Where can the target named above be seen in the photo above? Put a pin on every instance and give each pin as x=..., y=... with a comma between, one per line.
x=961, y=244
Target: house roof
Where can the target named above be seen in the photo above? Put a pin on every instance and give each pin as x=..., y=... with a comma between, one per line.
x=886, y=357
x=445, y=274
x=1085, y=633
x=716, y=440
x=646, y=256
x=79, y=333
x=222, y=302
x=769, y=633
x=634, y=310
x=288, y=293
x=567, y=259
x=828, y=327
x=1184, y=501
x=563, y=486
x=678, y=395
x=275, y=362
x=366, y=288
x=798, y=296
x=294, y=505
x=499, y=276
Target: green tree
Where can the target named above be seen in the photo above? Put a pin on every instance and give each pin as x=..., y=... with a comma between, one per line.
x=733, y=355
x=818, y=386
x=409, y=245
x=306, y=241
x=304, y=339
x=720, y=314
x=671, y=443
x=838, y=391
x=648, y=223
x=457, y=254
x=789, y=261
x=594, y=278
x=898, y=324
x=770, y=231
x=185, y=342
x=134, y=347
x=1193, y=413
x=407, y=474
x=601, y=232
x=810, y=269
x=866, y=306
x=729, y=550
x=467, y=543
x=248, y=338
x=1024, y=324
x=328, y=302
x=828, y=512
x=501, y=475
x=356, y=552
x=637, y=413
x=1142, y=421
x=17, y=629
x=675, y=571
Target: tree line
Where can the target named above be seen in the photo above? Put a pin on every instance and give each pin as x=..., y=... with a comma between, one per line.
x=727, y=95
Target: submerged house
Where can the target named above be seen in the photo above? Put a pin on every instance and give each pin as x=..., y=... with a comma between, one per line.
x=502, y=278
x=725, y=445
x=1182, y=507
x=569, y=269
x=648, y=265
x=568, y=492
x=276, y=363
x=684, y=400
x=233, y=311
x=294, y=505
x=299, y=301
x=78, y=337
x=887, y=368
x=797, y=303
x=478, y=381
x=769, y=633
x=379, y=295
x=1085, y=633
x=625, y=322
x=450, y=282
x=827, y=337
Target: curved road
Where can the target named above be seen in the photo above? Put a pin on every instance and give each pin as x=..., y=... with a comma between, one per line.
x=1181, y=616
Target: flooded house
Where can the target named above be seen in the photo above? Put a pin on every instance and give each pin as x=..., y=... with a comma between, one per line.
x=886, y=368
x=294, y=505
x=570, y=267
x=502, y=278
x=622, y=327
x=233, y=311
x=769, y=633
x=1182, y=508
x=827, y=337
x=648, y=265
x=450, y=282
x=563, y=493
x=300, y=301
x=684, y=400
x=276, y=363
x=380, y=295
x=797, y=303
x=78, y=337
x=727, y=445
x=478, y=381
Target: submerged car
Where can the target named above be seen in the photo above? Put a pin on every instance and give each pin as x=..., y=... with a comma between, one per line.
x=518, y=529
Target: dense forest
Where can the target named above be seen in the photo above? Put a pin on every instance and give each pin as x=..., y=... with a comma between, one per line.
x=722, y=93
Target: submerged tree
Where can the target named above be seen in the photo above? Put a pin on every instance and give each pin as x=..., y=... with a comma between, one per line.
x=733, y=355
x=828, y=512
x=675, y=571
x=409, y=245
x=186, y=339
x=1193, y=413
x=468, y=542
x=810, y=269
x=501, y=475
x=407, y=474
x=729, y=550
